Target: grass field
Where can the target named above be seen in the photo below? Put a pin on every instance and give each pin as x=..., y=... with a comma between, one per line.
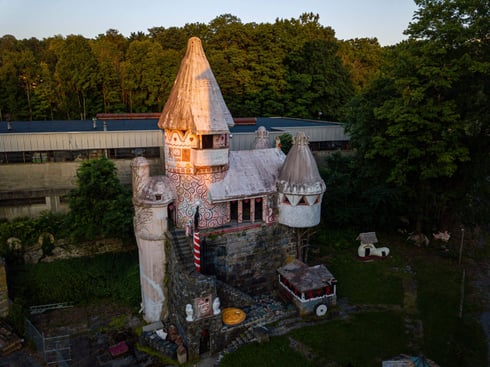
x=413, y=286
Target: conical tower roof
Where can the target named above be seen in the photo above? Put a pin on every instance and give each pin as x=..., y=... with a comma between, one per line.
x=299, y=174
x=195, y=102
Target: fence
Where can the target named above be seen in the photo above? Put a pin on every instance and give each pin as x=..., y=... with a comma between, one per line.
x=55, y=349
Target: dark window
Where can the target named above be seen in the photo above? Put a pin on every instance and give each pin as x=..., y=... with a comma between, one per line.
x=258, y=208
x=234, y=210
x=246, y=209
x=207, y=141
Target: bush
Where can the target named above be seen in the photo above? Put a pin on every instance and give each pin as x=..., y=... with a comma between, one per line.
x=81, y=280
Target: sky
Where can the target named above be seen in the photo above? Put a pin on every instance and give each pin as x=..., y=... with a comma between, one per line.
x=384, y=19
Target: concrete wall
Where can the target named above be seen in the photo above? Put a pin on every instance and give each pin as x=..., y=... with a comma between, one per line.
x=50, y=181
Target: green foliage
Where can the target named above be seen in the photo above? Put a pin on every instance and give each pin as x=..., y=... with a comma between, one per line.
x=449, y=340
x=357, y=198
x=16, y=317
x=365, y=282
x=286, y=142
x=81, y=280
x=423, y=123
x=29, y=230
x=276, y=353
x=367, y=337
x=291, y=67
x=362, y=340
x=100, y=205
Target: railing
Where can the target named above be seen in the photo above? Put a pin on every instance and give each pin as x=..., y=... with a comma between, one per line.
x=35, y=310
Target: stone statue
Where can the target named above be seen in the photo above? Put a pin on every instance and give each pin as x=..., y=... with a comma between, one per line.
x=216, y=306
x=189, y=312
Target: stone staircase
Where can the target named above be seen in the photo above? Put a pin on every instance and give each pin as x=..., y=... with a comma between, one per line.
x=183, y=248
x=265, y=311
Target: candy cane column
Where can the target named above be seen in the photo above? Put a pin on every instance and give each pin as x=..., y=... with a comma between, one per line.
x=197, y=241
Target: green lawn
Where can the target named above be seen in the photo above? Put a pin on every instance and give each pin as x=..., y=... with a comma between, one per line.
x=368, y=337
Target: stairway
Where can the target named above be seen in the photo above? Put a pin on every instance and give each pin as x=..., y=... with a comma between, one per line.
x=183, y=249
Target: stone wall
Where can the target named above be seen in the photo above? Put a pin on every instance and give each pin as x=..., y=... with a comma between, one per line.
x=62, y=250
x=248, y=259
x=184, y=285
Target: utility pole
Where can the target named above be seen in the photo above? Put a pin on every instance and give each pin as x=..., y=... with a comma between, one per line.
x=461, y=245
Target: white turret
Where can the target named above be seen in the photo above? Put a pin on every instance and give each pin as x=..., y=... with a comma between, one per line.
x=300, y=187
x=151, y=198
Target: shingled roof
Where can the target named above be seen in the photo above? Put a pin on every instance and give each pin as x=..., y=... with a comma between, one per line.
x=299, y=174
x=251, y=173
x=195, y=102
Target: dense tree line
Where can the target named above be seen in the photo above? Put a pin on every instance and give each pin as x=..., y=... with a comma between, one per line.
x=421, y=127
x=292, y=67
x=417, y=112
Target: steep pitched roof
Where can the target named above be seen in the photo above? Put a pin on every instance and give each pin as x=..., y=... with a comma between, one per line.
x=251, y=173
x=299, y=174
x=195, y=102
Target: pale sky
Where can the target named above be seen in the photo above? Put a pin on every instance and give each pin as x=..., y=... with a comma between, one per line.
x=384, y=19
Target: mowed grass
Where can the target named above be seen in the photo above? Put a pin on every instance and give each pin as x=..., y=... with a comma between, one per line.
x=367, y=337
x=276, y=353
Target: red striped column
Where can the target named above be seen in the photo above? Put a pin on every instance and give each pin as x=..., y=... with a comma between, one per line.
x=197, y=251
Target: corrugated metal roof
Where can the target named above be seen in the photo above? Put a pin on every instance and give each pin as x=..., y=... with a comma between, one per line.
x=252, y=173
x=52, y=126
x=195, y=102
x=270, y=123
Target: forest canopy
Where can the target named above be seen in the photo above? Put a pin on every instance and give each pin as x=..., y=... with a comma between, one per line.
x=293, y=67
x=417, y=112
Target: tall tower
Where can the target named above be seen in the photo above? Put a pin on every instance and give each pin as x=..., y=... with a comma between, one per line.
x=196, y=124
x=300, y=187
x=151, y=198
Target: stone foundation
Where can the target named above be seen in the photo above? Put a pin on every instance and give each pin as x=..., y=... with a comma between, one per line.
x=248, y=259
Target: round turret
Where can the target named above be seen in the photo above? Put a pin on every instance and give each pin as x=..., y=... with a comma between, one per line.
x=261, y=139
x=300, y=187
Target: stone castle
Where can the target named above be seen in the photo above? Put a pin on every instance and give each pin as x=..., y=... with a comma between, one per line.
x=213, y=230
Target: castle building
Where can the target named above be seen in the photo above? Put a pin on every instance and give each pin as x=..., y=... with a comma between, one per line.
x=244, y=205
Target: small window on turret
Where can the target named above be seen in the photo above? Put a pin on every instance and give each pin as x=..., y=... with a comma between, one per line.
x=207, y=142
x=302, y=201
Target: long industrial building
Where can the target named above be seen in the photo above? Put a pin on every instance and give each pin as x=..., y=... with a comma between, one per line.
x=39, y=159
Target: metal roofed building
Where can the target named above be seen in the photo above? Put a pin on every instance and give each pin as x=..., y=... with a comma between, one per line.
x=34, y=141
x=39, y=159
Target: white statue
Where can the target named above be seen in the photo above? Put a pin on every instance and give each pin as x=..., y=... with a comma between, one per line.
x=216, y=305
x=189, y=312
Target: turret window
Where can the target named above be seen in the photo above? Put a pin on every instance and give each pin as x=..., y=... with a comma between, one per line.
x=214, y=141
x=207, y=141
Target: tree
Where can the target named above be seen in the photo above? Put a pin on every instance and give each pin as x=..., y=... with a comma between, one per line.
x=318, y=83
x=77, y=73
x=109, y=49
x=100, y=205
x=286, y=142
x=362, y=57
x=417, y=120
x=142, y=76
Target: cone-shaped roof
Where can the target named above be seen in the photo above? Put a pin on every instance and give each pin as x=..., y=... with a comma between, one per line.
x=299, y=174
x=195, y=102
